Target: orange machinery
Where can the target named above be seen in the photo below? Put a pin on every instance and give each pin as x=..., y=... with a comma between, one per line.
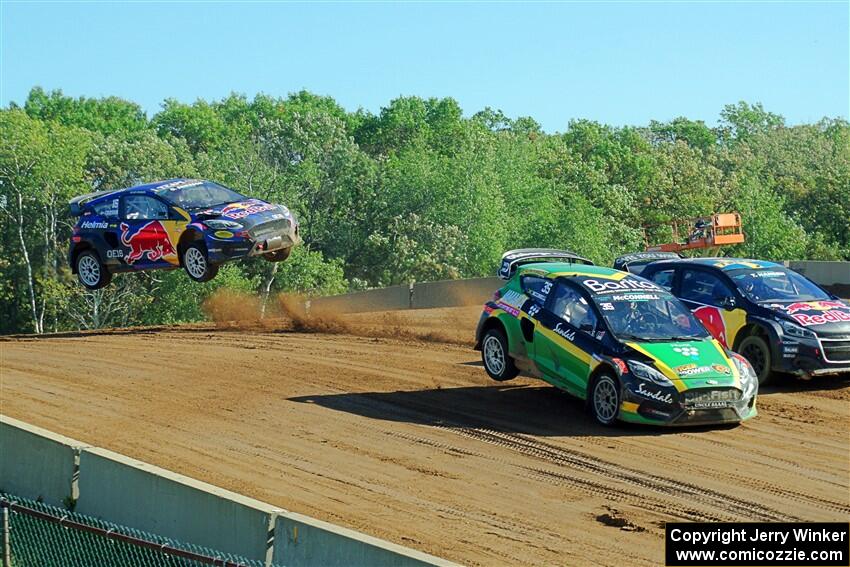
x=720, y=229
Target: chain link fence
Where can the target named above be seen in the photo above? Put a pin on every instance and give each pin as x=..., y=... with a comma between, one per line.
x=37, y=535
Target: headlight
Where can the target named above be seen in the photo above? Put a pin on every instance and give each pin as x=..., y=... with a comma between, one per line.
x=795, y=330
x=749, y=380
x=646, y=372
x=221, y=224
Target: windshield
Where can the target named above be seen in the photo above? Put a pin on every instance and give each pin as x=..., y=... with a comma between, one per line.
x=776, y=285
x=199, y=194
x=649, y=315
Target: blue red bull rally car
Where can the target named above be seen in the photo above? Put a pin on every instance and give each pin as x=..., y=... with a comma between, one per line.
x=775, y=317
x=190, y=223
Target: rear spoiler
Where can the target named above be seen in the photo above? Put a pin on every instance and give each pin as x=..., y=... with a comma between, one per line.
x=77, y=203
x=513, y=259
x=623, y=262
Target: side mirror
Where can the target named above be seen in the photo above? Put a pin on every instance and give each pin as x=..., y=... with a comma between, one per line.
x=727, y=303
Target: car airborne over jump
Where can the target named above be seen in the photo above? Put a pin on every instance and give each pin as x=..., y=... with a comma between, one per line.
x=624, y=344
x=778, y=319
x=191, y=223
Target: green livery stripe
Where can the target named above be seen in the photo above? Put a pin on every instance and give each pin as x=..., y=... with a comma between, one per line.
x=565, y=344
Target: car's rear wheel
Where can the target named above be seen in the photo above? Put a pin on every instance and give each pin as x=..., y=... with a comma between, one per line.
x=494, y=353
x=605, y=399
x=278, y=255
x=197, y=264
x=755, y=349
x=91, y=272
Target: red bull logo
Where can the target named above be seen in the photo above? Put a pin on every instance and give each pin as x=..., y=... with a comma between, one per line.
x=712, y=319
x=150, y=240
x=824, y=305
x=828, y=311
x=244, y=209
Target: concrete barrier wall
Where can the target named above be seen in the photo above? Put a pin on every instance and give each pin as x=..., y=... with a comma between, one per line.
x=834, y=276
x=455, y=293
x=301, y=541
x=386, y=299
x=37, y=463
x=145, y=497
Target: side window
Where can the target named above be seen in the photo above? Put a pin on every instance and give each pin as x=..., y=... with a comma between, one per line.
x=664, y=278
x=569, y=305
x=536, y=287
x=143, y=207
x=704, y=287
x=108, y=209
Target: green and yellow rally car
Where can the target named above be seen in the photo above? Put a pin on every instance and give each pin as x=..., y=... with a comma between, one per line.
x=624, y=344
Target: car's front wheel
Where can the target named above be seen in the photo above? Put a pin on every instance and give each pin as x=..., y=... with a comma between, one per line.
x=197, y=264
x=755, y=349
x=605, y=399
x=91, y=272
x=494, y=353
x=278, y=255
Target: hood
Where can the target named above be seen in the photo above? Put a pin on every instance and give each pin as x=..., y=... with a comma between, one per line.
x=827, y=316
x=693, y=364
x=248, y=213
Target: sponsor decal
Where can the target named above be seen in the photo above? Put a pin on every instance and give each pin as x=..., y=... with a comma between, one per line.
x=684, y=367
x=656, y=395
x=626, y=284
x=599, y=335
x=834, y=316
x=687, y=350
x=712, y=318
x=150, y=240
x=825, y=305
x=533, y=310
x=566, y=333
x=116, y=253
x=721, y=368
x=175, y=185
x=223, y=234
x=635, y=297
x=712, y=382
x=94, y=224
x=694, y=371
x=512, y=302
x=607, y=306
x=242, y=210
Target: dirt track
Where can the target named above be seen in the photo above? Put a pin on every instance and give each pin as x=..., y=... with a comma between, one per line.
x=407, y=439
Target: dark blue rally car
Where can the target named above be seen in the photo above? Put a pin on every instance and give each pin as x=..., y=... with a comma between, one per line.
x=189, y=223
x=778, y=319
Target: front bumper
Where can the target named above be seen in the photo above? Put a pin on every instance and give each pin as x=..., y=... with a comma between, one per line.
x=814, y=357
x=253, y=244
x=708, y=406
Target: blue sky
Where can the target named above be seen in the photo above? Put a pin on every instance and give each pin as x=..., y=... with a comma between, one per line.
x=619, y=63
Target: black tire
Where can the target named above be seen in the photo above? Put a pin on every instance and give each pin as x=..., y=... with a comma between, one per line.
x=90, y=270
x=755, y=349
x=494, y=354
x=195, y=261
x=278, y=255
x=604, y=399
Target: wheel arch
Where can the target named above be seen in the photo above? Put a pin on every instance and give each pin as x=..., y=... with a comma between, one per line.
x=491, y=323
x=190, y=235
x=78, y=249
x=601, y=368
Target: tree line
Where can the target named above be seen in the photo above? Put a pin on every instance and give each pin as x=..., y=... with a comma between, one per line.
x=416, y=192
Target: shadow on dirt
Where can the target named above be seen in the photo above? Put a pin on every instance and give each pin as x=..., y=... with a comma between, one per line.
x=532, y=410
x=788, y=383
